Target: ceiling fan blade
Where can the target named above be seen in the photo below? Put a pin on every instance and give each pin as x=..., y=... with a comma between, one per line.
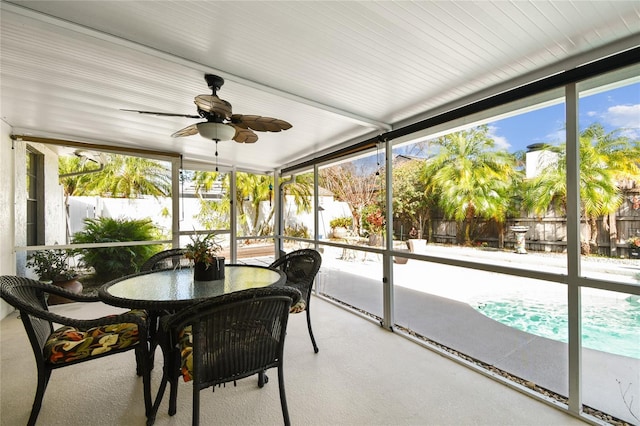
x=259, y=123
x=214, y=105
x=164, y=114
x=244, y=135
x=187, y=131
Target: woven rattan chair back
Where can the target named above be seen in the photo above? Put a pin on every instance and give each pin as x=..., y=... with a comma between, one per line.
x=231, y=337
x=29, y=298
x=301, y=267
x=167, y=259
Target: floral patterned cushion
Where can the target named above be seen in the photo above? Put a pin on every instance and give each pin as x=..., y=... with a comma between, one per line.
x=68, y=344
x=298, y=307
x=185, y=343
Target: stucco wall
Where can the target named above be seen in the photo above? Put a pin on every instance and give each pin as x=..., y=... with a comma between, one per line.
x=13, y=205
x=7, y=259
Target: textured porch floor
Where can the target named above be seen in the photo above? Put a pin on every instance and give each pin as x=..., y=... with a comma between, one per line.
x=363, y=375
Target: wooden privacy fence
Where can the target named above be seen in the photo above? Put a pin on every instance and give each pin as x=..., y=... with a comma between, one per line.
x=549, y=233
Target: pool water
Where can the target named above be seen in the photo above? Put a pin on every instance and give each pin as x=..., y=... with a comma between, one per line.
x=612, y=326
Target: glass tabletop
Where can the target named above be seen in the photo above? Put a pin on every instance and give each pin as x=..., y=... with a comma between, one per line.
x=174, y=286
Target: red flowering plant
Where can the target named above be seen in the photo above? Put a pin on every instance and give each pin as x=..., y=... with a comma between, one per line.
x=375, y=222
x=634, y=242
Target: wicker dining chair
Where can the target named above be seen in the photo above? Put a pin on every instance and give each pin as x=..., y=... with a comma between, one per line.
x=167, y=259
x=225, y=339
x=301, y=267
x=77, y=340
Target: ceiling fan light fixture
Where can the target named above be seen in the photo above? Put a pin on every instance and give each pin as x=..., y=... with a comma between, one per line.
x=216, y=131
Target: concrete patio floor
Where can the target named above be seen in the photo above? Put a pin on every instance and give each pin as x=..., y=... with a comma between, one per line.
x=452, y=322
x=363, y=375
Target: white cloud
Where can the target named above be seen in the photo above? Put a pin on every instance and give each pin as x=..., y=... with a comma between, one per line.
x=557, y=137
x=501, y=142
x=624, y=117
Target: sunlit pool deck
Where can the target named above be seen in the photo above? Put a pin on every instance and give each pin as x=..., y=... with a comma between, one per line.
x=433, y=300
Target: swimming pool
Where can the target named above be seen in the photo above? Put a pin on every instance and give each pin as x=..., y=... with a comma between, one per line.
x=607, y=325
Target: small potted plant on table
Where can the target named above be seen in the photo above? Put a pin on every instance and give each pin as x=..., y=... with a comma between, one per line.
x=207, y=265
x=53, y=266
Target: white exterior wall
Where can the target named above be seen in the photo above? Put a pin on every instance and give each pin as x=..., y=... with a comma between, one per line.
x=13, y=205
x=332, y=210
x=7, y=171
x=538, y=160
x=133, y=208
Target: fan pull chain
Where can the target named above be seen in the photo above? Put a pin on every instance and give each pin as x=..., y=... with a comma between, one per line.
x=270, y=192
x=216, y=155
x=378, y=159
x=181, y=188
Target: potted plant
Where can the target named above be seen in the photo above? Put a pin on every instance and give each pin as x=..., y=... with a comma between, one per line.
x=340, y=225
x=53, y=266
x=374, y=224
x=207, y=265
x=634, y=247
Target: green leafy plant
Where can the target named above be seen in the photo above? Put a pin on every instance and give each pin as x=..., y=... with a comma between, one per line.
x=113, y=262
x=341, y=222
x=52, y=265
x=299, y=231
x=203, y=249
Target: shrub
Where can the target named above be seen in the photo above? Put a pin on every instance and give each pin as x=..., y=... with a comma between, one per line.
x=341, y=222
x=299, y=231
x=114, y=262
x=52, y=265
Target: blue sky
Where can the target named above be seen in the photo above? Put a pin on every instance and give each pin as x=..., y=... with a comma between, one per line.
x=614, y=109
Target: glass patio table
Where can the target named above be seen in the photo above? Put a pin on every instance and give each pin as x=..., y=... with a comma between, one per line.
x=173, y=289
x=165, y=291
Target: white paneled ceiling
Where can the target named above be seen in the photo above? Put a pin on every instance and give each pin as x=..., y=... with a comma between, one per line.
x=339, y=71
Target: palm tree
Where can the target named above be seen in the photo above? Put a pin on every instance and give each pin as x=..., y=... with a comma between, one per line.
x=301, y=189
x=251, y=190
x=72, y=185
x=213, y=214
x=129, y=177
x=605, y=160
x=204, y=181
x=471, y=179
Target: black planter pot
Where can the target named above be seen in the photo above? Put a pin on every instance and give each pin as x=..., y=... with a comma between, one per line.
x=634, y=253
x=215, y=271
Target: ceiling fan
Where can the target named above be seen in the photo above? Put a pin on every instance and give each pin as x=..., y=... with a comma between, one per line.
x=221, y=124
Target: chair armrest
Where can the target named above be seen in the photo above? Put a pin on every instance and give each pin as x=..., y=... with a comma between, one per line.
x=77, y=297
x=84, y=324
